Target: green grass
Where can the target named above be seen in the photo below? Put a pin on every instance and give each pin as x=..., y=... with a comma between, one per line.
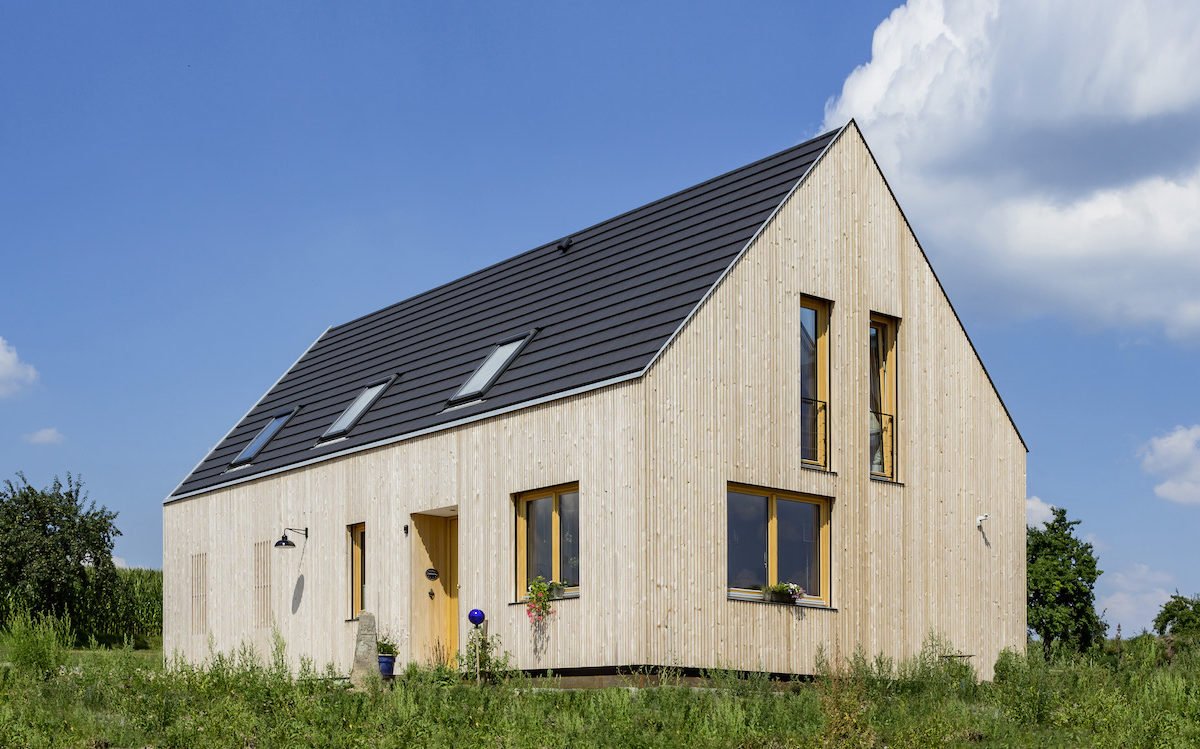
x=1140, y=694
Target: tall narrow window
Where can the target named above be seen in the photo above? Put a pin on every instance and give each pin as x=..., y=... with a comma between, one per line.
x=200, y=594
x=814, y=381
x=262, y=584
x=548, y=537
x=358, y=568
x=356, y=410
x=492, y=367
x=882, y=406
x=777, y=537
x=251, y=451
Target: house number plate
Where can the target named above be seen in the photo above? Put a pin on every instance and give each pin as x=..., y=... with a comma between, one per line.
x=431, y=574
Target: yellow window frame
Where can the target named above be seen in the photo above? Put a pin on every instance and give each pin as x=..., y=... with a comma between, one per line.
x=358, y=567
x=887, y=328
x=824, y=554
x=822, y=310
x=522, y=505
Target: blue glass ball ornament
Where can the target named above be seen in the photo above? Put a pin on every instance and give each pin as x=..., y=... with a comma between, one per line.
x=476, y=617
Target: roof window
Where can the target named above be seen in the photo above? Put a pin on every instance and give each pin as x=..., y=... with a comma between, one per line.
x=357, y=409
x=493, y=366
x=250, y=451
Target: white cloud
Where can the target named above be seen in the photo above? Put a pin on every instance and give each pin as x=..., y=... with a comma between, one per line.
x=1037, y=512
x=14, y=373
x=1175, y=457
x=47, y=436
x=1133, y=597
x=1048, y=152
x=119, y=562
x=1094, y=540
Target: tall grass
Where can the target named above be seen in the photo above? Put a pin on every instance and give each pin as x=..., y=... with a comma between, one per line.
x=36, y=645
x=1139, y=696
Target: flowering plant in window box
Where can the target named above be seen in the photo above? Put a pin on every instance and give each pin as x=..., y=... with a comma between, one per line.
x=783, y=593
x=538, y=597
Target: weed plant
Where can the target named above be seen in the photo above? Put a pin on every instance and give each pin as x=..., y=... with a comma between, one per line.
x=1137, y=693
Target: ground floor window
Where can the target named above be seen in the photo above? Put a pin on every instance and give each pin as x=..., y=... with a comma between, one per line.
x=548, y=537
x=778, y=537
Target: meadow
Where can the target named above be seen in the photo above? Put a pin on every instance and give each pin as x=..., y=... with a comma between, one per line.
x=1143, y=692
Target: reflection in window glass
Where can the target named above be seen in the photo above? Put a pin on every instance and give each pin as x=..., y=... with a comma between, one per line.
x=496, y=361
x=798, y=526
x=568, y=530
x=251, y=451
x=808, y=384
x=876, y=400
x=352, y=414
x=747, y=540
x=540, y=545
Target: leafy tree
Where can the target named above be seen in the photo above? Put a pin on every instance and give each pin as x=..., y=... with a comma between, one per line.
x=1179, y=616
x=56, y=553
x=1062, y=576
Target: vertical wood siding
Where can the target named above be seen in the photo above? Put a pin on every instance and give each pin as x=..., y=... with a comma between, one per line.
x=593, y=439
x=723, y=406
x=653, y=459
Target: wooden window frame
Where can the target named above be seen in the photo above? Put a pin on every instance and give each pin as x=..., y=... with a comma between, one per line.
x=774, y=496
x=822, y=308
x=356, y=537
x=521, y=502
x=888, y=327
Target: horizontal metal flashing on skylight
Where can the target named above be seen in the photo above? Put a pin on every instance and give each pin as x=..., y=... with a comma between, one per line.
x=356, y=410
x=497, y=360
x=250, y=451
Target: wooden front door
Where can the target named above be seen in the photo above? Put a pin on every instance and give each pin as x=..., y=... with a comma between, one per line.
x=435, y=601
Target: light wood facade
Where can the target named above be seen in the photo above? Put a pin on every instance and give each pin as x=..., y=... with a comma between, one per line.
x=653, y=458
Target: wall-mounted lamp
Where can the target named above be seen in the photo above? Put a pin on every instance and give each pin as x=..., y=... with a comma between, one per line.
x=287, y=543
x=979, y=520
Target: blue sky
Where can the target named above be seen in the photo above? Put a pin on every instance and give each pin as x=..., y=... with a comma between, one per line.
x=188, y=197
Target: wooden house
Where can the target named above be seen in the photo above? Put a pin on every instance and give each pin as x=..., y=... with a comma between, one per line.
x=756, y=380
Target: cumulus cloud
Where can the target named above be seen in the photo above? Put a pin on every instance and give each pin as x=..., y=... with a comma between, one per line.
x=1175, y=457
x=47, y=436
x=1037, y=512
x=1132, y=597
x=119, y=562
x=14, y=373
x=1047, y=152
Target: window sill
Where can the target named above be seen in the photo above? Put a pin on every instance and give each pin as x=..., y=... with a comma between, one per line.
x=563, y=597
x=886, y=480
x=751, y=598
x=818, y=468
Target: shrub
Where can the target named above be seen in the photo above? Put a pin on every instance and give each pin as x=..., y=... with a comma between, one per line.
x=37, y=645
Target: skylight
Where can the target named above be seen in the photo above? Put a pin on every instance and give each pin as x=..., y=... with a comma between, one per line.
x=493, y=366
x=250, y=451
x=361, y=404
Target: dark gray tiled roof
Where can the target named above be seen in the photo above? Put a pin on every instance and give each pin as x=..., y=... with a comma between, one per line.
x=603, y=308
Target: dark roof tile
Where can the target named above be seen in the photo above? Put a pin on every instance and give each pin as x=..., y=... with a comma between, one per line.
x=605, y=308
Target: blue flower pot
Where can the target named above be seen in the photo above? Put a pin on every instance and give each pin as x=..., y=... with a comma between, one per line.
x=387, y=666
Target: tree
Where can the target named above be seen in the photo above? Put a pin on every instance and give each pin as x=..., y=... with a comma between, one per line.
x=1062, y=576
x=1180, y=616
x=56, y=553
